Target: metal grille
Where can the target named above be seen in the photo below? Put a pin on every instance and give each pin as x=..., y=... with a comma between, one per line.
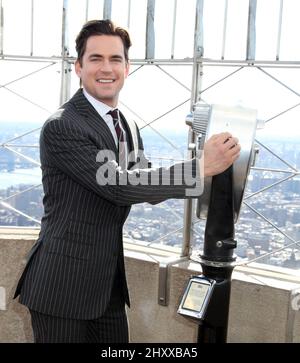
x=215, y=69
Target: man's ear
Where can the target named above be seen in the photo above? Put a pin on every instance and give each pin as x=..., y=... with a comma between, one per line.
x=127, y=68
x=78, y=68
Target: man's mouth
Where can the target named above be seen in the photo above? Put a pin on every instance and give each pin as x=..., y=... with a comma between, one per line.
x=105, y=80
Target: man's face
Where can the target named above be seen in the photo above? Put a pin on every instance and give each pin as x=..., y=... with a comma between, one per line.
x=103, y=68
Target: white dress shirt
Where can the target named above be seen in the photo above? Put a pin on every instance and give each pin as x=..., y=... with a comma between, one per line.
x=102, y=109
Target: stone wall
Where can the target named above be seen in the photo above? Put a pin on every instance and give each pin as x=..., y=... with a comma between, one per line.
x=260, y=309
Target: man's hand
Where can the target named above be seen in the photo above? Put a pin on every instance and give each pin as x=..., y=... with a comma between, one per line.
x=220, y=151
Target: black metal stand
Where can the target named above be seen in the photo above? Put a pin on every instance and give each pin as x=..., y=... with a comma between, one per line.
x=217, y=259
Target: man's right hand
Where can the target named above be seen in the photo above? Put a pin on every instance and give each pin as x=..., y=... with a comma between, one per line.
x=220, y=151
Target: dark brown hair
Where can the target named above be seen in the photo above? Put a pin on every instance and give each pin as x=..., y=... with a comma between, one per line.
x=100, y=27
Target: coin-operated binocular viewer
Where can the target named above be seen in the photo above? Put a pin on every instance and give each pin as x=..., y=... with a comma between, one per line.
x=206, y=298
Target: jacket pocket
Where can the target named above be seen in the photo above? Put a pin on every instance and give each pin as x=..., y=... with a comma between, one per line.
x=65, y=247
x=81, y=232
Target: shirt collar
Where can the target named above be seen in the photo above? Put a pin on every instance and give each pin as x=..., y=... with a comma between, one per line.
x=100, y=107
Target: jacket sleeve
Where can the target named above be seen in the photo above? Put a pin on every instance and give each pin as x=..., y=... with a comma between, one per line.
x=73, y=152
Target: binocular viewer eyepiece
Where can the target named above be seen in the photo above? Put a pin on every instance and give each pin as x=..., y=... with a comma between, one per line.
x=207, y=120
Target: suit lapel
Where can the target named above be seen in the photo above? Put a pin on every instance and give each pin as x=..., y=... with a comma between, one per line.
x=97, y=123
x=93, y=119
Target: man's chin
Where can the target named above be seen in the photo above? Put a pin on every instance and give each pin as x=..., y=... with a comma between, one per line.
x=110, y=100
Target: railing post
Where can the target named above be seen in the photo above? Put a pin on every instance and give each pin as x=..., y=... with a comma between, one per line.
x=65, y=64
x=107, y=9
x=251, y=36
x=196, y=87
x=1, y=27
x=150, y=31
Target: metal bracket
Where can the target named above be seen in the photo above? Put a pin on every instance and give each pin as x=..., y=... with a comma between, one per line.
x=163, y=286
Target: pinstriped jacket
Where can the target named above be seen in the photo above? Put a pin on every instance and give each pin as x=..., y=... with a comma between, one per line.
x=71, y=267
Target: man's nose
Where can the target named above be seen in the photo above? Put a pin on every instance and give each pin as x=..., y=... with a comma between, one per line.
x=106, y=66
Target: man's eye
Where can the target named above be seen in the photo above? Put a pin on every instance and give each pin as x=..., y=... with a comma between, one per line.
x=95, y=59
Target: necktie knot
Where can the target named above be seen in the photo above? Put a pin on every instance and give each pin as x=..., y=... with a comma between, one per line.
x=114, y=114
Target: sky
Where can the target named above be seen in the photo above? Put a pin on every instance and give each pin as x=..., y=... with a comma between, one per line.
x=248, y=87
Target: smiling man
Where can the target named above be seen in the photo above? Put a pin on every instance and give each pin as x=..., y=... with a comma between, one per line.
x=74, y=282
x=103, y=67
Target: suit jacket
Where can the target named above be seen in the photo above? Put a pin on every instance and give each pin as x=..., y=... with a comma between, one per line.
x=71, y=267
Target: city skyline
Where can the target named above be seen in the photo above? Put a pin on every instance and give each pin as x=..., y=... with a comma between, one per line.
x=148, y=224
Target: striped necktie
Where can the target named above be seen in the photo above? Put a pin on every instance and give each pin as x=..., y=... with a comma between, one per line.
x=121, y=138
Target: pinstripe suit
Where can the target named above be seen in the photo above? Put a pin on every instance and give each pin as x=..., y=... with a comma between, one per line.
x=71, y=268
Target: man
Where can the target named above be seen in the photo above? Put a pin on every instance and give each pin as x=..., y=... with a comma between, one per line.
x=74, y=282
